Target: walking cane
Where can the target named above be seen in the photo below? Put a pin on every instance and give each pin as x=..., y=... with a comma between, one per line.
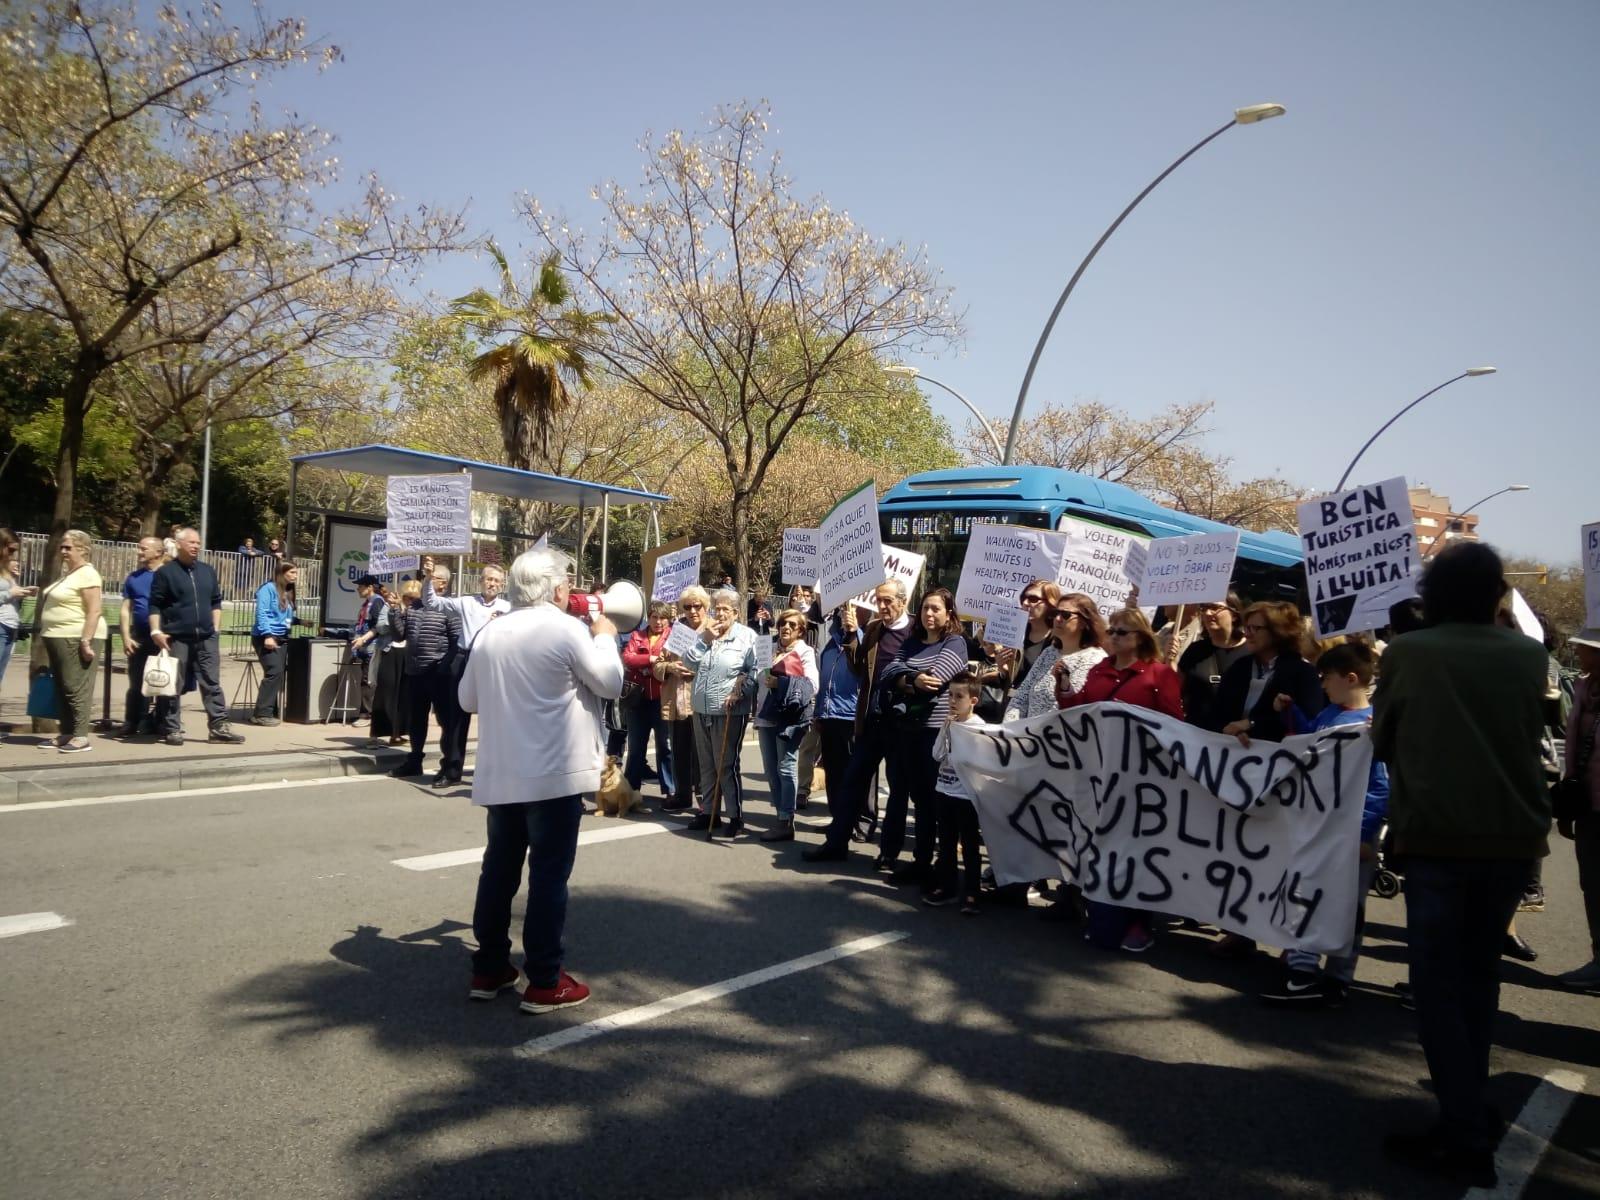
x=716, y=783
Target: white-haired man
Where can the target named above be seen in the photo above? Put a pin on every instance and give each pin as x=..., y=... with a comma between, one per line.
x=537, y=678
x=475, y=612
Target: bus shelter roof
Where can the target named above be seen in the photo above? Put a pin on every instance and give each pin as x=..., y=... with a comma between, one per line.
x=486, y=477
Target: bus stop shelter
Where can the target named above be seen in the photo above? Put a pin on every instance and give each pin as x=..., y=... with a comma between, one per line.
x=488, y=478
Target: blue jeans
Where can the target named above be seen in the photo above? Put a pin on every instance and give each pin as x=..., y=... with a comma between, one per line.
x=779, y=757
x=545, y=833
x=644, y=719
x=8, y=639
x=1457, y=910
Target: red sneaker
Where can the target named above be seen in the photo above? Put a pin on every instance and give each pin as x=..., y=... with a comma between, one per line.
x=567, y=992
x=487, y=987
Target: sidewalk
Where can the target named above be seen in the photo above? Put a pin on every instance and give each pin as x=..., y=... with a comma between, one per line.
x=147, y=764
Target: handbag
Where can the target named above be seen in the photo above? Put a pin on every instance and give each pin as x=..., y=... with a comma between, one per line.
x=42, y=696
x=161, y=675
x=1569, y=799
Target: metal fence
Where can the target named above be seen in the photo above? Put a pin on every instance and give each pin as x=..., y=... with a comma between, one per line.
x=240, y=575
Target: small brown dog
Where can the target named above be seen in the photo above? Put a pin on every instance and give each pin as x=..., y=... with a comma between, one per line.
x=617, y=797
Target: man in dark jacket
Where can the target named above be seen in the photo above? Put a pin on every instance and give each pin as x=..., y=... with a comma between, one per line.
x=1458, y=719
x=855, y=801
x=185, y=615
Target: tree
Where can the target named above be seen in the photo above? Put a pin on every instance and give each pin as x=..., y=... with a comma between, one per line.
x=1559, y=598
x=804, y=481
x=528, y=374
x=734, y=302
x=1160, y=456
x=128, y=172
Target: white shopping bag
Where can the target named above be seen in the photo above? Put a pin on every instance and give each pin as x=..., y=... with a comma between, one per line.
x=161, y=675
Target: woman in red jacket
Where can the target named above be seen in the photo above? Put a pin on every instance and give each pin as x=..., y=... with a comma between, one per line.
x=1133, y=675
x=643, y=706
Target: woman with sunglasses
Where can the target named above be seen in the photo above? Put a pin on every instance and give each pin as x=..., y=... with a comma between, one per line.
x=677, y=705
x=785, y=703
x=1076, y=644
x=1133, y=674
x=1221, y=644
x=913, y=690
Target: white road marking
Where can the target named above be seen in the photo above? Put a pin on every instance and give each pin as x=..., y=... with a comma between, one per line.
x=1529, y=1135
x=32, y=923
x=589, y=837
x=702, y=995
x=275, y=785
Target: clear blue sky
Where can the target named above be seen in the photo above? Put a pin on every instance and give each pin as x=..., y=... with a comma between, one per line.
x=1428, y=204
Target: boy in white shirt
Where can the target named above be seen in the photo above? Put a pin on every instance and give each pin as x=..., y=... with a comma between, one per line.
x=958, y=819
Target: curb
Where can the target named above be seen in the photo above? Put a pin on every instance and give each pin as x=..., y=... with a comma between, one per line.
x=85, y=781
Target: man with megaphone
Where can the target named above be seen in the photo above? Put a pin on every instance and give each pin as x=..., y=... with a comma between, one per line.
x=537, y=679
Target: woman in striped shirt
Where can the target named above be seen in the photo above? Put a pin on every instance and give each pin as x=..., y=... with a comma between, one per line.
x=913, y=689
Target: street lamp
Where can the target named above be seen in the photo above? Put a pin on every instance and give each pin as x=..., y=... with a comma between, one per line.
x=1515, y=487
x=1469, y=373
x=1439, y=541
x=910, y=372
x=1248, y=115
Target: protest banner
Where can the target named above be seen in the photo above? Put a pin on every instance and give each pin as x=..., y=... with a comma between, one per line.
x=1007, y=626
x=904, y=565
x=1193, y=569
x=681, y=639
x=763, y=652
x=1002, y=560
x=1591, y=575
x=1144, y=810
x=800, y=556
x=674, y=572
x=381, y=562
x=429, y=514
x=851, y=554
x=1361, y=555
x=1095, y=561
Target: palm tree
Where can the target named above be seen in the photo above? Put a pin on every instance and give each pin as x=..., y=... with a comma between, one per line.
x=545, y=351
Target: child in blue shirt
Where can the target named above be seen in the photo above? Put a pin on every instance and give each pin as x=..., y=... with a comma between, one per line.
x=1347, y=673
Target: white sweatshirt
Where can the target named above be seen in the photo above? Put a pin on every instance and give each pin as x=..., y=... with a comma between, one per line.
x=536, y=679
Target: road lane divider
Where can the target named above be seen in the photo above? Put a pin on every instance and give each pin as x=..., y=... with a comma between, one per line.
x=1528, y=1137
x=630, y=1017
x=38, y=922
x=589, y=837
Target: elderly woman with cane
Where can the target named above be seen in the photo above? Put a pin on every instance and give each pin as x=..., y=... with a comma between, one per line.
x=723, y=660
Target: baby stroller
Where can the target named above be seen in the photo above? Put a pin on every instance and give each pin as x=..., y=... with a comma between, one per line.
x=1385, y=880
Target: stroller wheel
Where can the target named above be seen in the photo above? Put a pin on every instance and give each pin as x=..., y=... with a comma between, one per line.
x=1386, y=884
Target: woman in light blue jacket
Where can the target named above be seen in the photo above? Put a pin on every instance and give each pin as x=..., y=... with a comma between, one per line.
x=270, y=637
x=723, y=660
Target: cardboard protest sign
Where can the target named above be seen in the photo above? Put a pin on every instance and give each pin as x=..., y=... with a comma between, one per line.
x=1361, y=555
x=674, y=572
x=1591, y=575
x=1134, y=563
x=681, y=640
x=1194, y=569
x=904, y=565
x=1143, y=810
x=1094, y=561
x=381, y=562
x=1522, y=616
x=1007, y=626
x=1002, y=560
x=851, y=552
x=763, y=652
x=429, y=514
x=800, y=548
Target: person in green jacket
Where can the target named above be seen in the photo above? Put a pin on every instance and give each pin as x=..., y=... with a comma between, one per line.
x=1458, y=719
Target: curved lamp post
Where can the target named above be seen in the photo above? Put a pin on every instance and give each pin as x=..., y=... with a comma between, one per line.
x=1515, y=487
x=1249, y=115
x=911, y=372
x=1469, y=373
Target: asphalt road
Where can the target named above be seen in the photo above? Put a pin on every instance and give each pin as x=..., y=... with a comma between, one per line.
x=254, y=1000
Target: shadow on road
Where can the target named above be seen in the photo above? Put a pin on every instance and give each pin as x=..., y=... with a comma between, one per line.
x=989, y=1057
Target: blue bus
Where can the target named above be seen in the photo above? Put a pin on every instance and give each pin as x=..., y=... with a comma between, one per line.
x=931, y=514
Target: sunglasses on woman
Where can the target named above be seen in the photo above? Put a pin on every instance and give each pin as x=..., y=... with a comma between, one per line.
x=1117, y=631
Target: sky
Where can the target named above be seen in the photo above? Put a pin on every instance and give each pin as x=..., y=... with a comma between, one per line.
x=1427, y=204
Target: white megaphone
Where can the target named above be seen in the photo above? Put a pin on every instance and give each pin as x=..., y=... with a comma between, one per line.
x=622, y=602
